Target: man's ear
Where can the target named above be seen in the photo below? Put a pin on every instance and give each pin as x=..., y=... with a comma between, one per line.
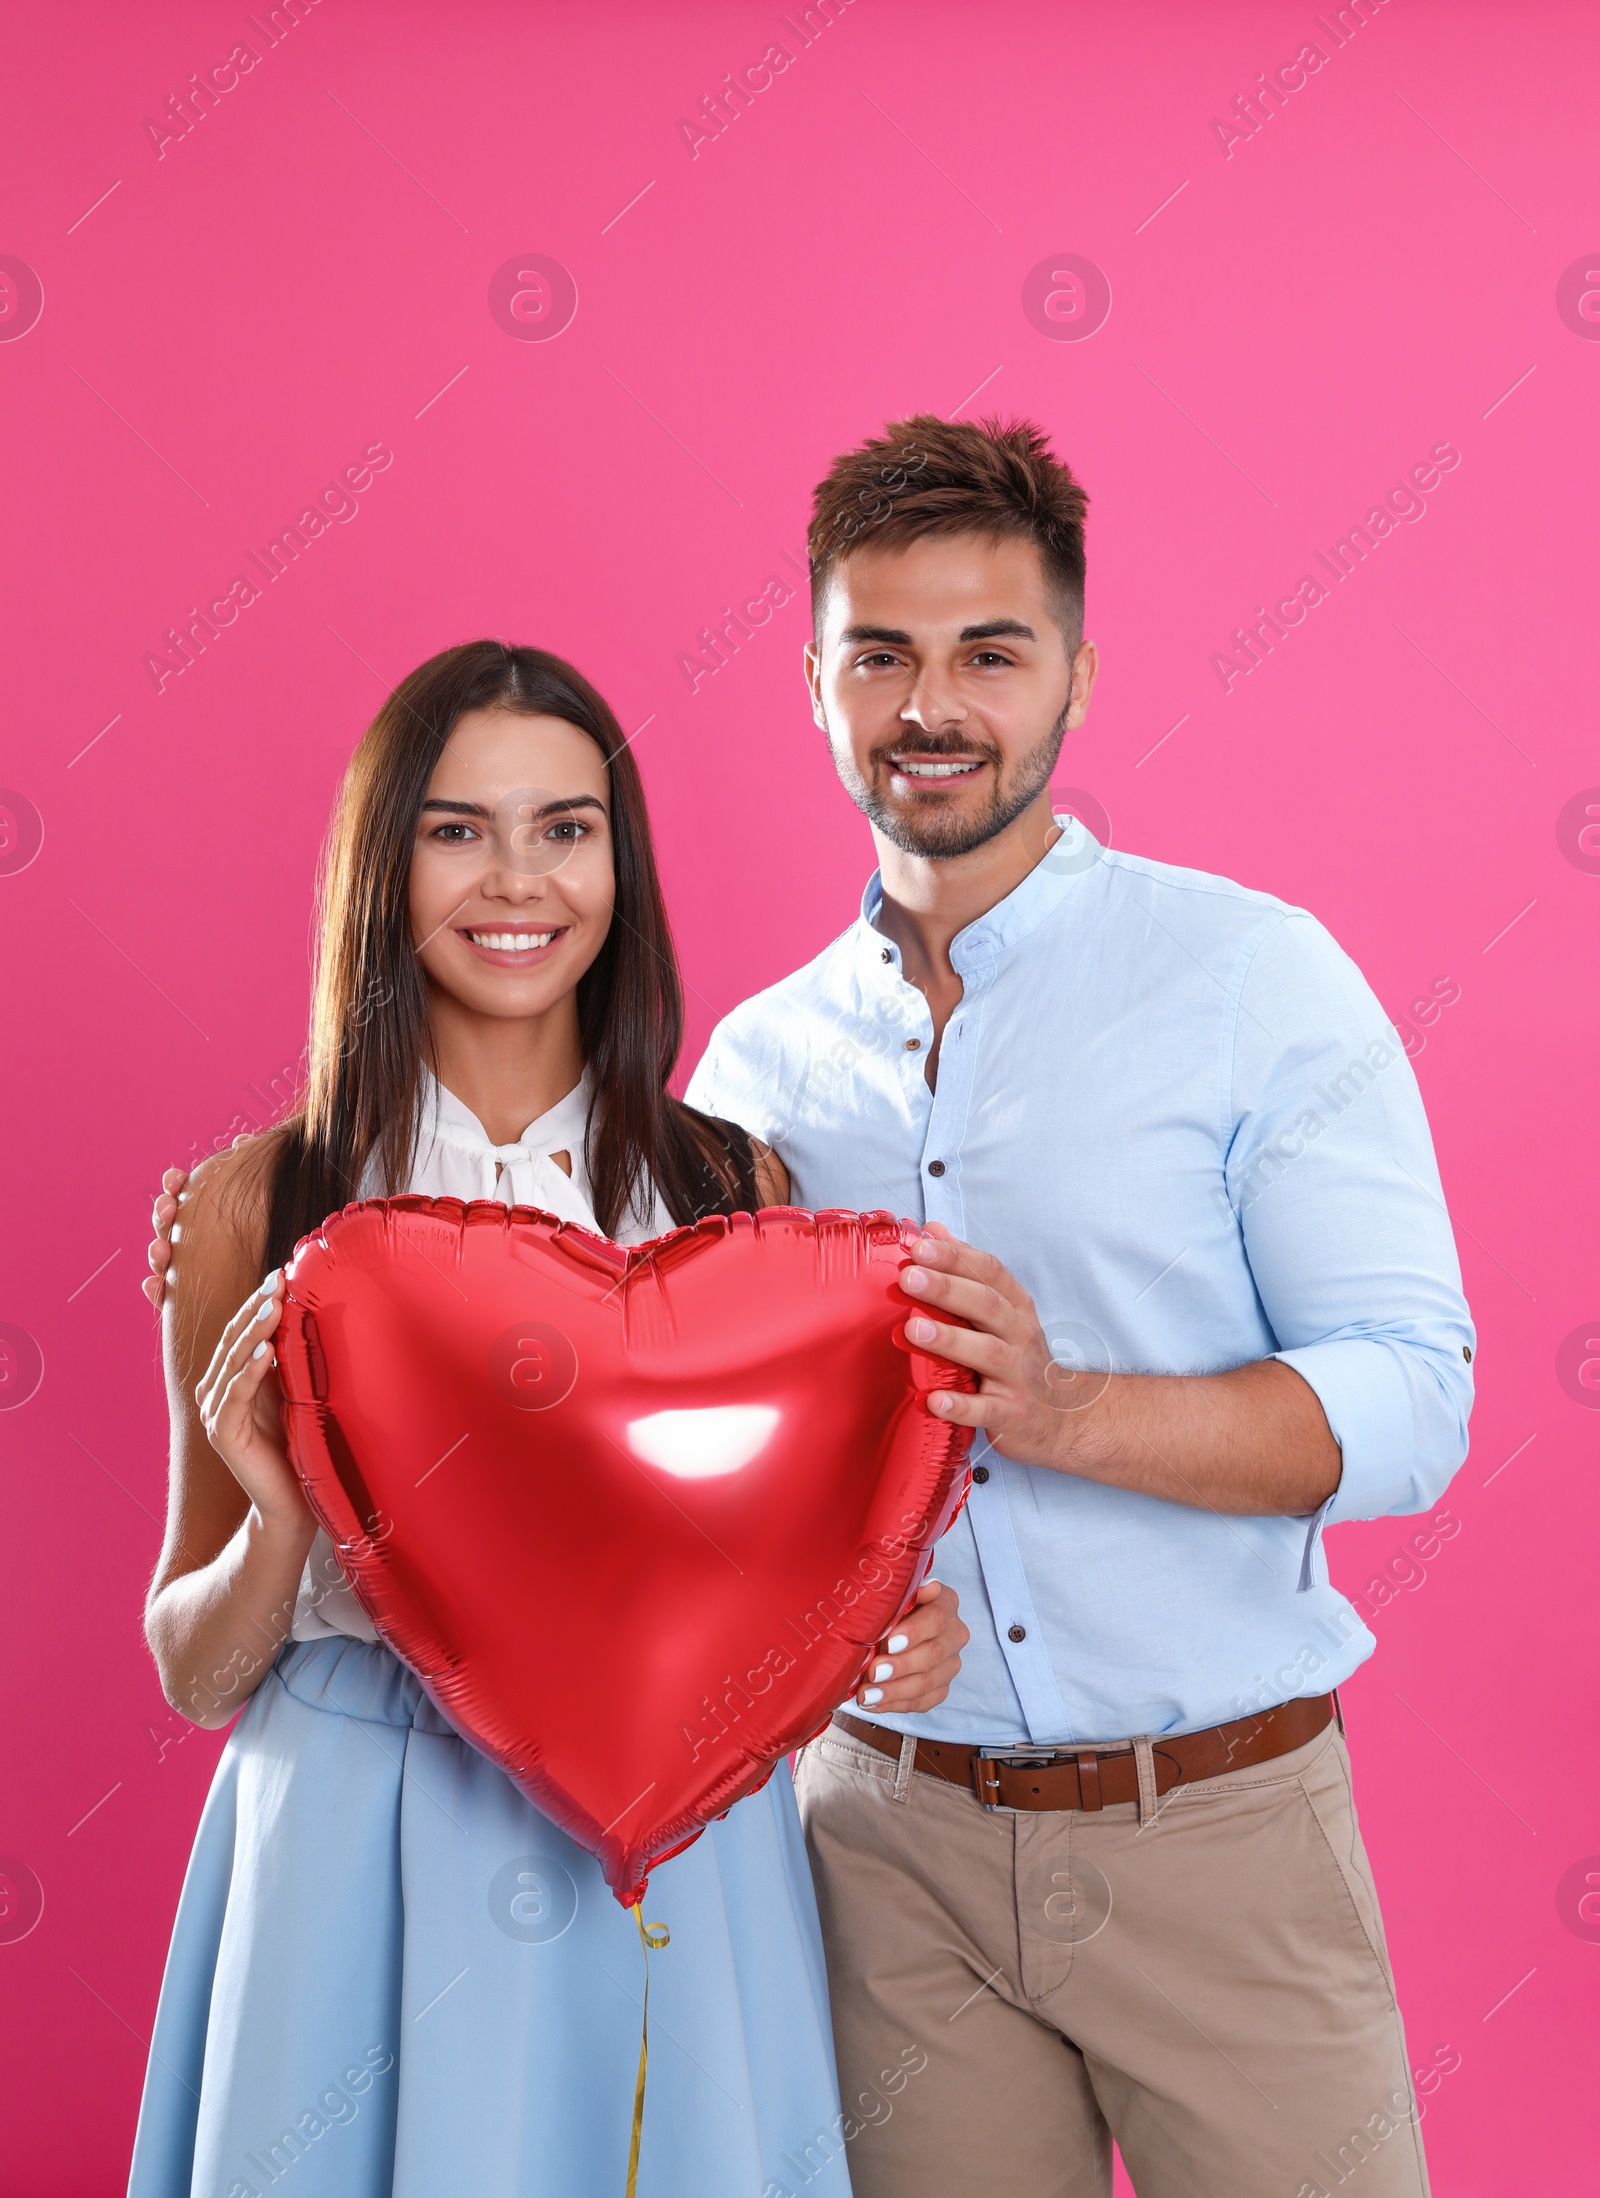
x=1085, y=671
x=813, y=663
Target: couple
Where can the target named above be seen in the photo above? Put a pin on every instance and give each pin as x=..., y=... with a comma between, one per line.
x=1093, y=1869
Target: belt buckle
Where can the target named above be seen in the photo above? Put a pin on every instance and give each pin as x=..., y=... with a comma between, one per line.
x=1020, y=1757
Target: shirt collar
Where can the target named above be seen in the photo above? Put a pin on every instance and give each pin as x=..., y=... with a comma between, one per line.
x=450, y=1121
x=998, y=929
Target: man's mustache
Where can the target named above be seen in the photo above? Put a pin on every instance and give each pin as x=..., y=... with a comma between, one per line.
x=935, y=745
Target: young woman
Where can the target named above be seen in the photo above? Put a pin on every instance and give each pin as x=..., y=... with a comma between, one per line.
x=389, y=1973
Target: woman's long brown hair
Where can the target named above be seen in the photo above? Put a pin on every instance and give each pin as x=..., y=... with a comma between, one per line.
x=370, y=1034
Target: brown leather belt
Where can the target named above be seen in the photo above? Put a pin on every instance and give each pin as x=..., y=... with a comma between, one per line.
x=1098, y=1777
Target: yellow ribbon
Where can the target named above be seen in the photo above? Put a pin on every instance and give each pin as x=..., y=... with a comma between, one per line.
x=652, y=1936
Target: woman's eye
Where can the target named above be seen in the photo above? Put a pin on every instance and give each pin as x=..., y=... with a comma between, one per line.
x=569, y=832
x=453, y=834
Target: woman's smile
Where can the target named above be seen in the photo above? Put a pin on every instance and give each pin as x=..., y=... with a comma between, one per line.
x=513, y=945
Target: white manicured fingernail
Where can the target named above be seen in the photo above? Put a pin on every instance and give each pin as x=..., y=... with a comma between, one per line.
x=271, y=1283
x=182, y=1195
x=172, y=1278
x=177, y=1231
x=869, y=1695
x=883, y=1671
x=266, y=1309
x=260, y=1351
x=896, y=1642
x=921, y=1331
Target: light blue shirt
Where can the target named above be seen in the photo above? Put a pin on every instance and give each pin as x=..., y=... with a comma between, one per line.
x=1177, y=1113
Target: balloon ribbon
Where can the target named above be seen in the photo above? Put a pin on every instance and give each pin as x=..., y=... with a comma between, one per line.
x=652, y=1936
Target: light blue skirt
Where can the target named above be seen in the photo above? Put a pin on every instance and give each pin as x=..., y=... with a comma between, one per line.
x=392, y=1977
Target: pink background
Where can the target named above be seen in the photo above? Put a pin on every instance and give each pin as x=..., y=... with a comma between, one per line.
x=1295, y=322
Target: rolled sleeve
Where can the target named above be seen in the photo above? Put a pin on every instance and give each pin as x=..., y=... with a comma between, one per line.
x=1332, y=1174
x=1397, y=1456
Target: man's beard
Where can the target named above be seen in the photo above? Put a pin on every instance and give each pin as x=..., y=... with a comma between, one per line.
x=942, y=833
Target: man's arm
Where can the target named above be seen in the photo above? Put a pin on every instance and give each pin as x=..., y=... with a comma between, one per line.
x=1329, y=1177
x=1254, y=1440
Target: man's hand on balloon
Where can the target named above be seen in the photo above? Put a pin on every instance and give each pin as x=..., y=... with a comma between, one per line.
x=1031, y=1408
x=912, y=1666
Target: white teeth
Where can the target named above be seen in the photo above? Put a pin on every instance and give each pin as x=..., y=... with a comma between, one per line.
x=510, y=942
x=926, y=769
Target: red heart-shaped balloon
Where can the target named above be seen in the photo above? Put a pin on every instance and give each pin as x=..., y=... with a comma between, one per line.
x=634, y=1518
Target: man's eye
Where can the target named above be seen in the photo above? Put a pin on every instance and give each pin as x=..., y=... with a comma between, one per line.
x=881, y=656
x=990, y=656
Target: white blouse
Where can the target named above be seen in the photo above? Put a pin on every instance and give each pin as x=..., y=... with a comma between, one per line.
x=455, y=1159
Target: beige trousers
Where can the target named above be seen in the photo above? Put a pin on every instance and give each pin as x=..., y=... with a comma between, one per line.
x=1212, y=1989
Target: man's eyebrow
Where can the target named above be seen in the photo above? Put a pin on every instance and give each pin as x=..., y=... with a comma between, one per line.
x=992, y=629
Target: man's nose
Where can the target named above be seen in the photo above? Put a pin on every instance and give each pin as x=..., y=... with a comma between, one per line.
x=934, y=702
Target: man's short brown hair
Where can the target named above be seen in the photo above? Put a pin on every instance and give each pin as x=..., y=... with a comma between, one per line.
x=924, y=475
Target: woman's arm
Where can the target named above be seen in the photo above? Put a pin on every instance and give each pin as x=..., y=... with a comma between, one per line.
x=215, y=1615
x=238, y=1527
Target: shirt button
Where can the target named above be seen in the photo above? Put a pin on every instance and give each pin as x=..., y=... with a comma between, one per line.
x=1018, y=1633
x=980, y=1474
x=887, y=955
x=936, y=1167
x=914, y=1045
x=1466, y=1352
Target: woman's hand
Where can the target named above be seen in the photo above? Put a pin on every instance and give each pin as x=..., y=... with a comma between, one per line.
x=912, y=1667
x=164, y=1220
x=239, y=1399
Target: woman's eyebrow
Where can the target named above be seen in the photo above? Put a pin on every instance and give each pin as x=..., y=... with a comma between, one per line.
x=560, y=804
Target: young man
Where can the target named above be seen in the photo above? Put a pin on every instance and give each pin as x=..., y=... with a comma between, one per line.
x=1115, y=1885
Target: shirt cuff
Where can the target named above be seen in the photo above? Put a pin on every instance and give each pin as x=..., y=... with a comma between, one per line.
x=1367, y=1404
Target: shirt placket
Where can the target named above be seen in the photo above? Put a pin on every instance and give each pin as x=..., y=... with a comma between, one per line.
x=1019, y=1634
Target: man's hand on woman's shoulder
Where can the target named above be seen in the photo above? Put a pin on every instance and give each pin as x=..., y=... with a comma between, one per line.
x=164, y=1220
